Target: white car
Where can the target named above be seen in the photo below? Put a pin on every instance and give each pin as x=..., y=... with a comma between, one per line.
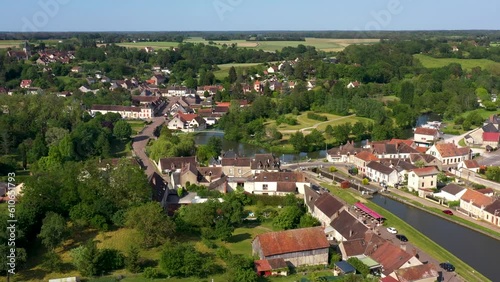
x=392, y=230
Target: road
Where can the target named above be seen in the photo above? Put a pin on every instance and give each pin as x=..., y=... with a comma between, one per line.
x=140, y=142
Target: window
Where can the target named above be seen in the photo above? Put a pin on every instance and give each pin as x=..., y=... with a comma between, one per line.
x=422, y=184
x=432, y=183
x=264, y=187
x=239, y=170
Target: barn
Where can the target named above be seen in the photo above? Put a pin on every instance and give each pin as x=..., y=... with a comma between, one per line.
x=305, y=246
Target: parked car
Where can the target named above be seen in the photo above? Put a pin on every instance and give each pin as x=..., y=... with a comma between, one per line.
x=447, y=266
x=448, y=212
x=402, y=238
x=392, y=230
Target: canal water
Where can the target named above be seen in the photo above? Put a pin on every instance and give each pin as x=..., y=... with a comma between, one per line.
x=248, y=150
x=477, y=250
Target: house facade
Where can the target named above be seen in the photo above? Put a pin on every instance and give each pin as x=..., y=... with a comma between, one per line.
x=425, y=137
x=361, y=159
x=422, y=178
x=276, y=183
x=126, y=112
x=381, y=173
x=474, y=203
x=449, y=154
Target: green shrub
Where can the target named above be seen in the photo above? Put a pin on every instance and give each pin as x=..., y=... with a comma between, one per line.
x=333, y=169
x=359, y=265
x=315, y=116
x=365, y=181
x=151, y=273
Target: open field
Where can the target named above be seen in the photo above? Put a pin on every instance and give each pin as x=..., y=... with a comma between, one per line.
x=416, y=238
x=430, y=62
x=324, y=44
x=224, y=69
x=10, y=43
x=306, y=124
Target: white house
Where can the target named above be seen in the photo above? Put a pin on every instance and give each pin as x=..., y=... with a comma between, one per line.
x=353, y=84
x=187, y=123
x=449, y=154
x=492, y=213
x=276, y=183
x=422, y=178
x=474, y=203
x=381, y=173
x=471, y=165
x=425, y=137
x=343, y=153
x=451, y=192
x=144, y=112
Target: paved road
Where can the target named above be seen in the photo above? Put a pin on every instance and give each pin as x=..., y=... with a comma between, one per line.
x=140, y=142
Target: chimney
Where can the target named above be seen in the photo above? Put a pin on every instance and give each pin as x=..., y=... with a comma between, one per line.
x=350, y=233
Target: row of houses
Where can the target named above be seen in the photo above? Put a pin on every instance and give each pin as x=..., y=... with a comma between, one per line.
x=354, y=238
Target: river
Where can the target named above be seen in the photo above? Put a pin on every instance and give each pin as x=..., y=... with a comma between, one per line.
x=248, y=150
x=474, y=248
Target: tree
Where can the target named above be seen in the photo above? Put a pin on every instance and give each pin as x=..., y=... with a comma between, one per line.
x=232, y=75
x=122, y=130
x=128, y=186
x=183, y=260
x=341, y=132
x=298, y=141
x=85, y=258
x=52, y=262
x=406, y=92
x=493, y=173
x=152, y=223
x=132, y=261
x=215, y=144
x=54, y=135
x=53, y=231
x=38, y=149
x=288, y=218
x=315, y=139
x=307, y=220
x=329, y=130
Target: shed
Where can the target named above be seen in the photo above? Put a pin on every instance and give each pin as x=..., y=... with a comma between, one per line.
x=344, y=267
x=345, y=184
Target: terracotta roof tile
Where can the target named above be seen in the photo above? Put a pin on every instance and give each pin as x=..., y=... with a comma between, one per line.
x=417, y=273
x=471, y=164
x=391, y=257
x=447, y=150
x=291, y=241
x=366, y=156
x=426, y=131
x=477, y=199
x=426, y=171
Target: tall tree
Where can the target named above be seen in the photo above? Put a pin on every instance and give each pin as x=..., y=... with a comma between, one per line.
x=152, y=223
x=54, y=230
x=232, y=75
x=122, y=130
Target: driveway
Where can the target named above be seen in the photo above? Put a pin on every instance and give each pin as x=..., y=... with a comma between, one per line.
x=140, y=142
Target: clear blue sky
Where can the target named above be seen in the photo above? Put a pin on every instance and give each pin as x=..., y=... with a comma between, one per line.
x=209, y=15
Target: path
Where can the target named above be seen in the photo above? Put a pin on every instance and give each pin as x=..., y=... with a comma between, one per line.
x=140, y=142
x=314, y=126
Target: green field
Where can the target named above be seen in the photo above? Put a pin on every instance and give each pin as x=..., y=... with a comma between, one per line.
x=307, y=124
x=224, y=69
x=325, y=44
x=10, y=43
x=468, y=64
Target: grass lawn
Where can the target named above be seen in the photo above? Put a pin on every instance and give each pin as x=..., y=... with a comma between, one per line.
x=120, y=149
x=430, y=62
x=224, y=69
x=137, y=126
x=417, y=238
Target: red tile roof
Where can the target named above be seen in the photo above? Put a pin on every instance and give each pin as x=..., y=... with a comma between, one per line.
x=491, y=136
x=186, y=117
x=417, y=273
x=366, y=156
x=399, y=141
x=422, y=149
x=476, y=198
x=471, y=164
x=291, y=241
x=391, y=257
x=430, y=170
x=447, y=150
x=426, y=131
x=271, y=264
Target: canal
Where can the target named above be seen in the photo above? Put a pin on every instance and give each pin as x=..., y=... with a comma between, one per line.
x=474, y=248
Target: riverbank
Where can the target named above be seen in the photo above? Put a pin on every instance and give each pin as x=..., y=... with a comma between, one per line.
x=419, y=240
x=430, y=207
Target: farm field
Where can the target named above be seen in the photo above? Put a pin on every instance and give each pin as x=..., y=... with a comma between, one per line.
x=468, y=64
x=10, y=43
x=324, y=44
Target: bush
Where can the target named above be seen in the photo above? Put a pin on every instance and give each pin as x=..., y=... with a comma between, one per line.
x=209, y=243
x=109, y=260
x=151, y=273
x=359, y=265
x=333, y=169
x=365, y=181
x=315, y=116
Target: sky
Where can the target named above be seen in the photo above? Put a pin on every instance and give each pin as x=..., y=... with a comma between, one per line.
x=239, y=15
